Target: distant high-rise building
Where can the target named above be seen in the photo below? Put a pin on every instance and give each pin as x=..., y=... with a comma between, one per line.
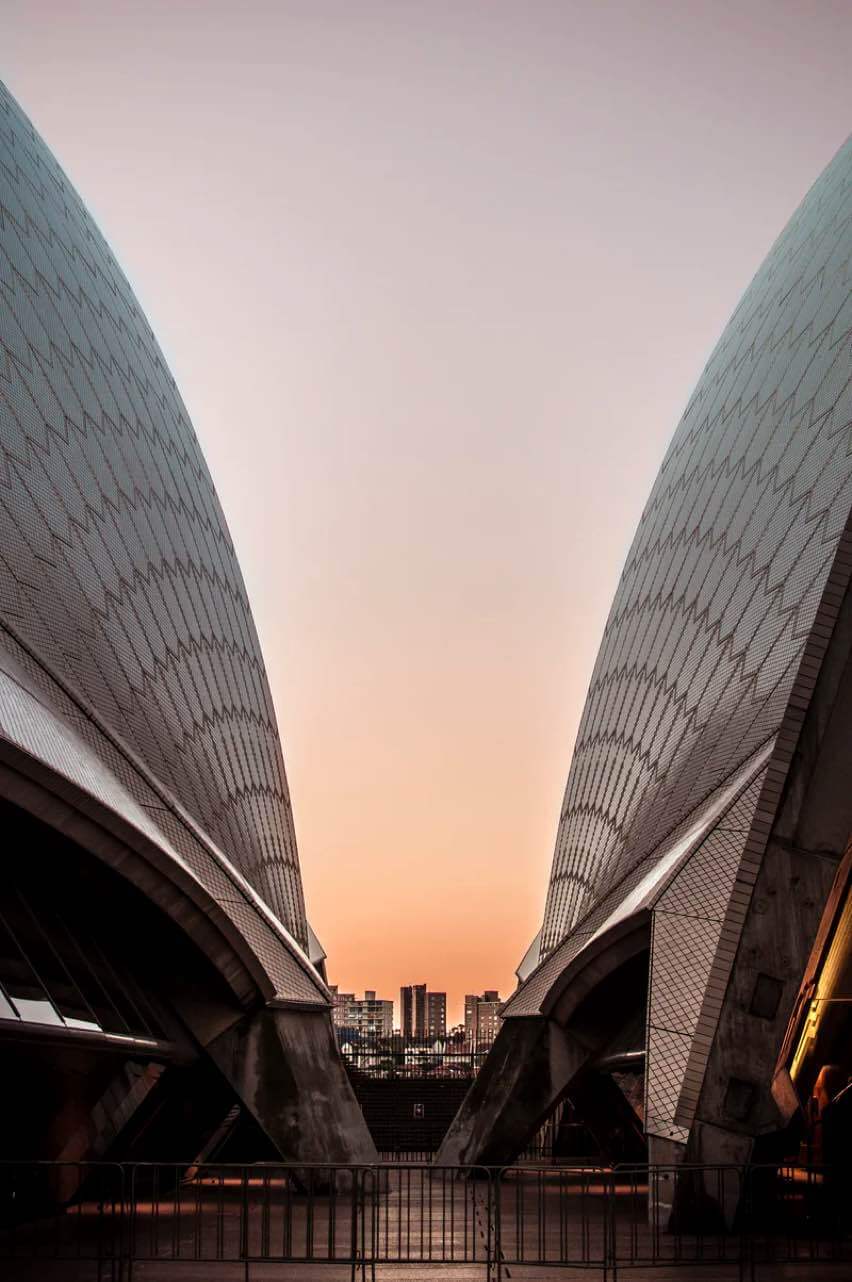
x=422, y=1015
x=482, y=1017
x=412, y=1010
x=436, y=1015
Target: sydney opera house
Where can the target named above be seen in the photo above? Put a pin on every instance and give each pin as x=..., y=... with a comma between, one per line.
x=159, y=982
x=158, y=976
x=697, y=928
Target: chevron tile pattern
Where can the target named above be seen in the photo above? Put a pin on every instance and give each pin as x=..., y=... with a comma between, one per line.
x=117, y=572
x=723, y=581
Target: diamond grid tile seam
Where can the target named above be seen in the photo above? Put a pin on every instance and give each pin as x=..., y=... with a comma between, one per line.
x=666, y=1064
x=687, y=926
x=116, y=566
x=722, y=585
x=702, y=889
x=684, y=949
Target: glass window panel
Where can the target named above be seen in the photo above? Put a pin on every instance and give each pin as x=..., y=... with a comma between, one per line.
x=36, y=1011
x=71, y=999
x=37, y=931
x=85, y=964
x=16, y=973
x=120, y=992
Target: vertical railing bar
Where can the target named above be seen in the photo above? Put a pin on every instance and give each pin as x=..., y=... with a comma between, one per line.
x=220, y=1216
x=360, y=1176
x=243, y=1225
x=332, y=1213
x=154, y=1235
x=265, y=1217
x=466, y=1219
x=100, y=1226
x=131, y=1252
x=654, y=1173
x=196, y=1218
x=117, y=1235
x=354, y=1191
x=498, y=1184
x=745, y=1225
x=372, y=1185
x=563, y=1187
x=519, y=1219
x=425, y=1178
x=420, y=1201
x=287, y=1229
x=443, y=1214
x=176, y=1204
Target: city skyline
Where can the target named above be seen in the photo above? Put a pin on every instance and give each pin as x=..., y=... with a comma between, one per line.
x=426, y=472
x=491, y=997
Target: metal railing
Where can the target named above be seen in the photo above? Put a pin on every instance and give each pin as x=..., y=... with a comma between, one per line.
x=106, y=1221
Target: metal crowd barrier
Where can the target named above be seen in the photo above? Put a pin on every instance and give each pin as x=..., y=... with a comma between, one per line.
x=106, y=1222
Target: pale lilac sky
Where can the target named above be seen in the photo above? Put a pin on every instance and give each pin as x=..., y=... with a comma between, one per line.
x=436, y=280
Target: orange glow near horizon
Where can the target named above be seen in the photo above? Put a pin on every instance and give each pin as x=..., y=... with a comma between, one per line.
x=436, y=282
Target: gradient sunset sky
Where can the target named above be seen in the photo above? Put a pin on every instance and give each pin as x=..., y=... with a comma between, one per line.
x=436, y=280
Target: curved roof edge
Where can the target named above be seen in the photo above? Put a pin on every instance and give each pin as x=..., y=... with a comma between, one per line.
x=632, y=898
x=53, y=740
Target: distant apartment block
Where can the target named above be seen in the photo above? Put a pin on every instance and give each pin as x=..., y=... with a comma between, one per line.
x=436, y=1016
x=370, y=1015
x=412, y=1010
x=482, y=1017
x=340, y=1006
x=422, y=1015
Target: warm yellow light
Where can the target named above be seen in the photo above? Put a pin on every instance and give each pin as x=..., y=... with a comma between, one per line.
x=806, y=1039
